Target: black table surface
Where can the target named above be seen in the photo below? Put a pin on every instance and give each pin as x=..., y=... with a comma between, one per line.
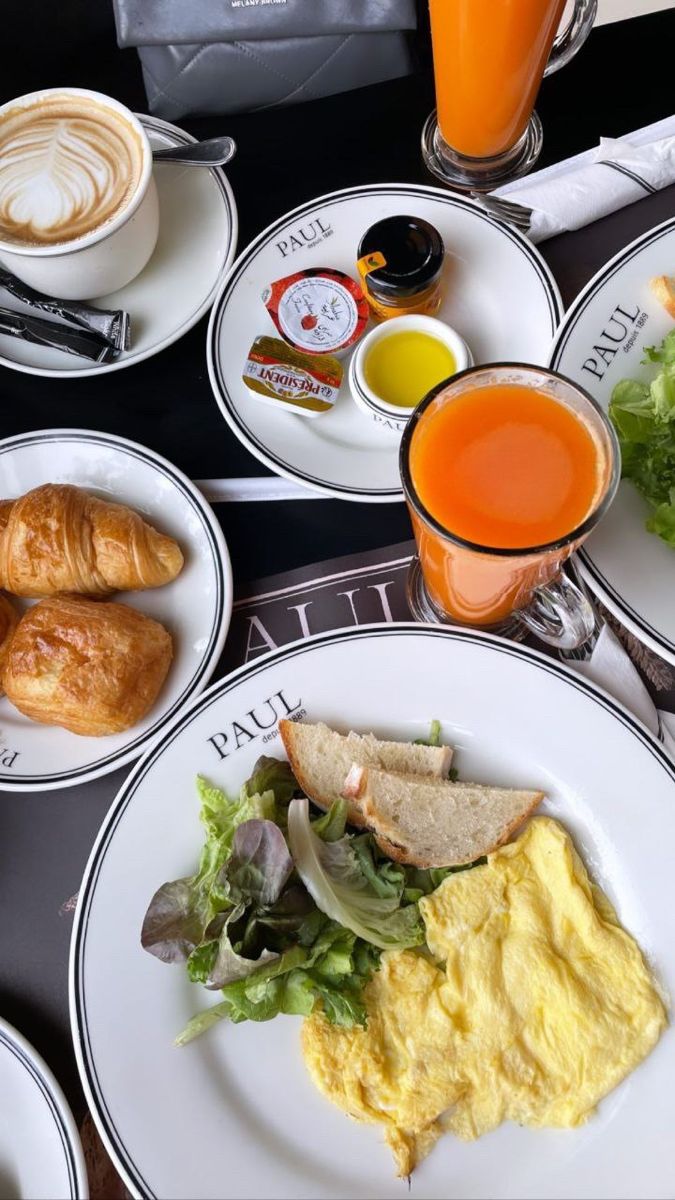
x=621, y=80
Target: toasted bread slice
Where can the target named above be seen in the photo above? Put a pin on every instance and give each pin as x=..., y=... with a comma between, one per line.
x=663, y=287
x=436, y=823
x=321, y=759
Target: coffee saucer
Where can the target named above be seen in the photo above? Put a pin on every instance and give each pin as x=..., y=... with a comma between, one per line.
x=197, y=242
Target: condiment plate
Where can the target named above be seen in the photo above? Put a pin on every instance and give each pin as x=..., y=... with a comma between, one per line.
x=195, y=607
x=40, y=1151
x=600, y=341
x=500, y=296
x=197, y=242
x=234, y=1114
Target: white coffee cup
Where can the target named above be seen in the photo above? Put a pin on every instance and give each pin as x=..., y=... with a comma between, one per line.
x=112, y=254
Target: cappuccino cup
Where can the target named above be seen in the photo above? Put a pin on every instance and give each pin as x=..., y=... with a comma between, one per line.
x=79, y=215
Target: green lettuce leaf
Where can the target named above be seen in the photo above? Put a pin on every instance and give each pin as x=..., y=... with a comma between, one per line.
x=644, y=418
x=332, y=968
x=256, y=998
x=386, y=878
x=333, y=876
x=259, y=865
x=423, y=881
x=632, y=411
x=662, y=520
x=331, y=826
x=180, y=912
x=662, y=394
x=665, y=353
x=272, y=775
x=434, y=738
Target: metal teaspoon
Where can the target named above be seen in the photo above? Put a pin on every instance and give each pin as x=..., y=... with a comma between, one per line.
x=214, y=152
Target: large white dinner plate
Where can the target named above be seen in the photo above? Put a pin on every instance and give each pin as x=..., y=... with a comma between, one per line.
x=40, y=1151
x=197, y=242
x=632, y=571
x=500, y=296
x=195, y=607
x=234, y=1114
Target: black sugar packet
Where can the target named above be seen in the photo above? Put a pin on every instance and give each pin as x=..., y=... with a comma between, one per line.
x=59, y=337
x=99, y=334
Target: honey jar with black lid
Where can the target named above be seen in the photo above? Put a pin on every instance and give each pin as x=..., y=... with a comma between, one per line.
x=400, y=260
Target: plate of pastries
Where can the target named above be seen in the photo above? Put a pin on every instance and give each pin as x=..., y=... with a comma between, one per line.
x=115, y=601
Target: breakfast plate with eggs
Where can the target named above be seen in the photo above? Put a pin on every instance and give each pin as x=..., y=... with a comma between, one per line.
x=115, y=600
x=422, y=940
x=498, y=296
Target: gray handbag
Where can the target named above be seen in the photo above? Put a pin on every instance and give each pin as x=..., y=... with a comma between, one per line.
x=227, y=56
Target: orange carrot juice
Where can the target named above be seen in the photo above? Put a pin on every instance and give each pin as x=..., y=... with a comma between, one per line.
x=489, y=59
x=505, y=467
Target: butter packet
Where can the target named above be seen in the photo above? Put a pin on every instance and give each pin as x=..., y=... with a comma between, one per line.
x=286, y=378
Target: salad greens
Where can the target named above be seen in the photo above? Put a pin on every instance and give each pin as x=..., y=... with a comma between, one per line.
x=643, y=415
x=285, y=910
x=334, y=875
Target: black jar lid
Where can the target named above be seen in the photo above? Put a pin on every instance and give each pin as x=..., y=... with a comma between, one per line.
x=413, y=250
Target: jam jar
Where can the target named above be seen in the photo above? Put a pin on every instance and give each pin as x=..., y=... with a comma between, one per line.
x=400, y=260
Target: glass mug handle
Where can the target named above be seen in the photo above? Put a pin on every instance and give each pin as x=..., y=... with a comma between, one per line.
x=559, y=614
x=573, y=36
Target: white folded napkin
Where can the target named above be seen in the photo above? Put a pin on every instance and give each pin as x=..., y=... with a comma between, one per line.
x=599, y=181
x=611, y=668
x=255, y=487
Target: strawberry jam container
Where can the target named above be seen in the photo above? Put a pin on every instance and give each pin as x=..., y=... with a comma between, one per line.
x=318, y=311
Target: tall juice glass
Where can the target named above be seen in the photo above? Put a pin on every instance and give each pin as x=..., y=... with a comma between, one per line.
x=489, y=60
x=506, y=470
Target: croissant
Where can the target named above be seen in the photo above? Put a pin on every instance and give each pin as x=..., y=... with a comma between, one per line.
x=9, y=618
x=59, y=538
x=93, y=667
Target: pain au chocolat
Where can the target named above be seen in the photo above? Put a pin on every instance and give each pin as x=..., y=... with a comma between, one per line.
x=9, y=618
x=93, y=667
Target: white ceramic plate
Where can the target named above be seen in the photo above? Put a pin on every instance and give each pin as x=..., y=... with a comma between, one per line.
x=195, y=607
x=632, y=571
x=197, y=242
x=40, y=1151
x=235, y=1114
x=501, y=297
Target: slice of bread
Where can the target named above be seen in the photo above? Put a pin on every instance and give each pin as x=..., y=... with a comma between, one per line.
x=436, y=823
x=321, y=758
x=663, y=287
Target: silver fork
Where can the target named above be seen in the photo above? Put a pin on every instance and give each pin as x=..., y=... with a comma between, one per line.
x=507, y=210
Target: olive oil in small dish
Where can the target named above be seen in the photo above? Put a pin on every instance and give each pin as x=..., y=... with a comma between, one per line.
x=399, y=362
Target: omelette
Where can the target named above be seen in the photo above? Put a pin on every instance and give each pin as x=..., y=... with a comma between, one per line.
x=536, y=1005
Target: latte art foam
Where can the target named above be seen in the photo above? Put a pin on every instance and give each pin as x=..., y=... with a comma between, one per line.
x=67, y=166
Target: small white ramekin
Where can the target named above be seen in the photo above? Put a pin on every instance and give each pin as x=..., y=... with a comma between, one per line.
x=392, y=418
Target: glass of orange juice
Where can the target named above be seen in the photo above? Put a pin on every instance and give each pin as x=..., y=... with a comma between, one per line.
x=506, y=469
x=489, y=59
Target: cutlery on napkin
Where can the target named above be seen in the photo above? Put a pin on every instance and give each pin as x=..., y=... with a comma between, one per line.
x=588, y=186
